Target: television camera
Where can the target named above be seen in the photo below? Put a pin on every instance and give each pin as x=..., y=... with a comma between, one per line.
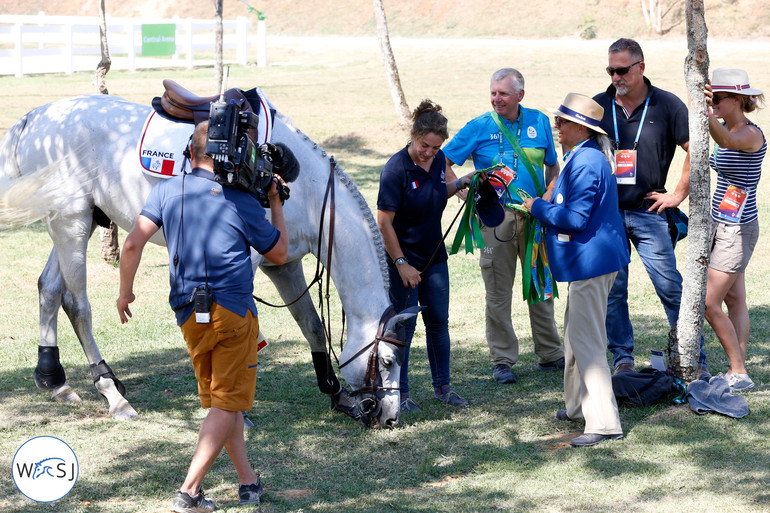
x=238, y=161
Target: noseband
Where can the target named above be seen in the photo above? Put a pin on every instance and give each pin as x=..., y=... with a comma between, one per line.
x=369, y=405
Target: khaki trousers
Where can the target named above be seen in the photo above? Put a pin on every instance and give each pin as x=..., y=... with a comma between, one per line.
x=587, y=382
x=505, y=245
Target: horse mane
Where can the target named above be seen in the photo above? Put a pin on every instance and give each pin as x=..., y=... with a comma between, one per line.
x=366, y=212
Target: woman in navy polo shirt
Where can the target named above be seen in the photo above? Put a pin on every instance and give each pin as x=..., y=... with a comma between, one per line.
x=412, y=197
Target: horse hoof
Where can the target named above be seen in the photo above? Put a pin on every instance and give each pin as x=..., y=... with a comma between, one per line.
x=126, y=412
x=120, y=409
x=65, y=394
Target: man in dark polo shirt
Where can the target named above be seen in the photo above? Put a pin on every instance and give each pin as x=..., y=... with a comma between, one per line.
x=646, y=124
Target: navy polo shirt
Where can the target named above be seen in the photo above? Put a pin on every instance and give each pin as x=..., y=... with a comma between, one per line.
x=418, y=198
x=211, y=228
x=665, y=128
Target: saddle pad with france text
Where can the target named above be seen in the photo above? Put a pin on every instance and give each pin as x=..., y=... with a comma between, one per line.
x=162, y=141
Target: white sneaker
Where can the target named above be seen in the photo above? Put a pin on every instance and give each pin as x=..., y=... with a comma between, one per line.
x=739, y=382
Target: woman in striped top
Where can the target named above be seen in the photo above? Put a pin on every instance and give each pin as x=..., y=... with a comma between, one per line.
x=737, y=159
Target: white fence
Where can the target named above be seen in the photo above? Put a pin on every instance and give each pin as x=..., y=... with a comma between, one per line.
x=65, y=44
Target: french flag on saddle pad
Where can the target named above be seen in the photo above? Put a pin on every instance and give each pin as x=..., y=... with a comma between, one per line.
x=157, y=164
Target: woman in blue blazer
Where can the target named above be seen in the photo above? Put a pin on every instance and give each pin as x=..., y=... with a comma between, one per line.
x=586, y=247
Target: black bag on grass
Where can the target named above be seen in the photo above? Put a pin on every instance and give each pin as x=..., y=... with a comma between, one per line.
x=643, y=388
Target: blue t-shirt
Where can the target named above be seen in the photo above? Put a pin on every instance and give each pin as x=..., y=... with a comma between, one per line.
x=418, y=198
x=211, y=233
x=481, y=139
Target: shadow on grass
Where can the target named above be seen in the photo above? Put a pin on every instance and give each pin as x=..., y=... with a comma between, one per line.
x=442, y=459
x=351, y=146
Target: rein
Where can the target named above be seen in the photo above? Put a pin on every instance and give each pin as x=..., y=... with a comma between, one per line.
x=319, y=269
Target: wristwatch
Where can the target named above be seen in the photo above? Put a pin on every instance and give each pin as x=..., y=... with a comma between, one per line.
x=400, y=261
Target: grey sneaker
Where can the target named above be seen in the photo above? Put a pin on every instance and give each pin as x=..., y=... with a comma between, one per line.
x=503, y=374
x=249, y=494
x=739, y=382
x=407, y=405
x=184, y=503
x=452, y=398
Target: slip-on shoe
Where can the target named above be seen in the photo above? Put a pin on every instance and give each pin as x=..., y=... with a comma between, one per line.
x=589, y=439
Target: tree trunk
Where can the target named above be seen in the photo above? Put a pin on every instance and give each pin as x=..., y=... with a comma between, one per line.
x=108, y=236
x=104, y=65
x=218, y=35
x=654, y=14
x=396, y=92
x=683, y=353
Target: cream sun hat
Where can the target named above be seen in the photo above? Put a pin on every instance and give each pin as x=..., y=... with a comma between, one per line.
x=582, y=110
x=734, y=81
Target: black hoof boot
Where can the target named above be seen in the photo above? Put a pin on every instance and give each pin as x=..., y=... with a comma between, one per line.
x=49, y=374
x=343, y=403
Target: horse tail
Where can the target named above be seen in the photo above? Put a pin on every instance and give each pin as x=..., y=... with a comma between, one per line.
x=28, y=195
x=9, y=164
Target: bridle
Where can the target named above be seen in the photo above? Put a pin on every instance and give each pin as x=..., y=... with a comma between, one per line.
x=369, y=405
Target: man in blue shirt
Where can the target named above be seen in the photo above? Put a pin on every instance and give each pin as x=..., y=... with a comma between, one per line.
x=209, y=245
x=486, y=142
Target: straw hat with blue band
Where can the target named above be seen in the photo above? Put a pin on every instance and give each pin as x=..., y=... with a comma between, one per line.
x=734, y=81
x=582, y=110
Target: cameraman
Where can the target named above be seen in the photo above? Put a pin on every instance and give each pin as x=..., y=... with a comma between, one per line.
x=209, y=230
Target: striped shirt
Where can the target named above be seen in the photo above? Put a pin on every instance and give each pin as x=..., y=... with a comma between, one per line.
x=740, y=169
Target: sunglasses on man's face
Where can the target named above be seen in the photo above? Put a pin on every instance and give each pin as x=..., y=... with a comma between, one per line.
x=621, y=71
x=716, y=99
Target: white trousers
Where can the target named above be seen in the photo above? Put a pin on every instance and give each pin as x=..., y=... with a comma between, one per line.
x=587, y=380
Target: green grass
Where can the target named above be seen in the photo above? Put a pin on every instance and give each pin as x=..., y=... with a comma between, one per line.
x=504, y=453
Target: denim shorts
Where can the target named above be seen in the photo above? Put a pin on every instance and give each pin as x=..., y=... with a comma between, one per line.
x=732, y=245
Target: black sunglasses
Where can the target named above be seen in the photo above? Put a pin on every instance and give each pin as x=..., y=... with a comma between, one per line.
x=716, y=99
x=621, y=71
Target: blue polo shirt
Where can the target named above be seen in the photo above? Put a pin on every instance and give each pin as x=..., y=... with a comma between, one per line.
x=211, y=232
x=482, y=140
x=418, y=198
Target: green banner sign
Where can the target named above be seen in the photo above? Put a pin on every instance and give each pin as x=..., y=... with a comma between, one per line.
x=158, y=39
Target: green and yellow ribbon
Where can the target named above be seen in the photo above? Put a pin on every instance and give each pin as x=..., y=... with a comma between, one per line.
x=537, y=280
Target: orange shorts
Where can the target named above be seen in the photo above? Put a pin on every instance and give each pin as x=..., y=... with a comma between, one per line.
x=224, y=356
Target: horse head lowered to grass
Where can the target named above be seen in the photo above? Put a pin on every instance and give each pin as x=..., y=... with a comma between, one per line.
x=75, y=161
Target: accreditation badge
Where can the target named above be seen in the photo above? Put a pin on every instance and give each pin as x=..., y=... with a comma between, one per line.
x=506, y=175
x=732, y=204
x=625, y=163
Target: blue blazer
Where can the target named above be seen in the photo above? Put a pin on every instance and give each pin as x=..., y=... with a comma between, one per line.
x=584, y=235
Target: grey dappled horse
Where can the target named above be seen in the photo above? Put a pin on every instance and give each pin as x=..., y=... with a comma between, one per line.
x=65, y=162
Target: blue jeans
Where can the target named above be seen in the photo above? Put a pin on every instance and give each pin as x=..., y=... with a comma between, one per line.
x=432, y=293
x=648, y=231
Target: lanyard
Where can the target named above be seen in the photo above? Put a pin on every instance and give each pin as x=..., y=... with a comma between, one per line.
x=517, y=150
x=501, y=150
x=641, y=123
x=571, y=153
